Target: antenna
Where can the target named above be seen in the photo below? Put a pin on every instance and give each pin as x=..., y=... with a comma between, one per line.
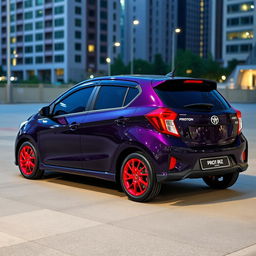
x=171, y=74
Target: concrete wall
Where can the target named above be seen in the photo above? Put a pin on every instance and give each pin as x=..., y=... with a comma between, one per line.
x=41, y=95
x=239, y=96
x=32, y=95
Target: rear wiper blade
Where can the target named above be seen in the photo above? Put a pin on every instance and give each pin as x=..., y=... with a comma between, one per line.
x=200, y=106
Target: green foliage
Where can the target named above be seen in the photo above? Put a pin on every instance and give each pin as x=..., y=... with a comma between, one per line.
x=159, y=67
x=31, y=80
x=204, y=68
x=118, y=67
x=185, y=61
x=1, y=71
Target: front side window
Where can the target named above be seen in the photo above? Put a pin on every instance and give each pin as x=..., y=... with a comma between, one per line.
x=110, y=97
x=74, y=103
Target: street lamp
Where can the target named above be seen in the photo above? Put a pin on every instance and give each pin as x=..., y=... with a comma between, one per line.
x=134, y=23
x=110, y=53
x=174, y=32
x=8, y=61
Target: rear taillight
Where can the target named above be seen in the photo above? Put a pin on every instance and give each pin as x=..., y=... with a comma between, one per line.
x=240, y=121
x=163, y=121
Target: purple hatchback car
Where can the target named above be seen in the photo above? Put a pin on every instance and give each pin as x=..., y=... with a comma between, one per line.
x=139, y=131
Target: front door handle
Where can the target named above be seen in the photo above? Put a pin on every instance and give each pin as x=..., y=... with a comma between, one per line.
x=74, y=126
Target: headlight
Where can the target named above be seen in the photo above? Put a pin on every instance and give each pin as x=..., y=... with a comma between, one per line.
x=23, y=123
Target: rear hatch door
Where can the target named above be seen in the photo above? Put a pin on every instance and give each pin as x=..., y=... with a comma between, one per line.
x=204, y=118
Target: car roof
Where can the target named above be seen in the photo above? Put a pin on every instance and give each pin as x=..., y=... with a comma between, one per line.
x=153, y=80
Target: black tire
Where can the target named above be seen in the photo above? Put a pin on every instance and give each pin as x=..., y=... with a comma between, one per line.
x=32, y=172
x=221, y=181
x=151, y=190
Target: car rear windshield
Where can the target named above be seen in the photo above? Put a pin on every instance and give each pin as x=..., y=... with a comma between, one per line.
x=201, y=97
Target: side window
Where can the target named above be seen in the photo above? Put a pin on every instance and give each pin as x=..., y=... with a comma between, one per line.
x=132, y=93
x=110, y=97
x=76, y=102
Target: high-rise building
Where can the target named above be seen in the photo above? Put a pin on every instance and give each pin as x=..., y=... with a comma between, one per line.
x=153, y=34
x=59, y=40
x=239, y=30
x=47, y=39
x=103, y=30
x=217, y=29
x=195, y=23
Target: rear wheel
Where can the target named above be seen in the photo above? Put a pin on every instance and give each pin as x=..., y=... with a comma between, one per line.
x=138, y=179
x=221, y=181
x=29, y=162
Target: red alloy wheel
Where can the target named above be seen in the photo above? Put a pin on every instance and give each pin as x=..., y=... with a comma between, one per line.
x=135, y=177
x=27, y=160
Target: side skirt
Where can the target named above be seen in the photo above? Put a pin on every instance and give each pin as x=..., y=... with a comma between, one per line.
x=95, y=174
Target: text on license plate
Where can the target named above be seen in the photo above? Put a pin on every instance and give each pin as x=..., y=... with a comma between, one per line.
x=214, y=163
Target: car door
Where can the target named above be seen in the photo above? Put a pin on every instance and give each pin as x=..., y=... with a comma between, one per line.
x=103, y=129
x=60, y=139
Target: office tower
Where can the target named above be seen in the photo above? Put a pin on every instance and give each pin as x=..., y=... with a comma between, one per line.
x=194, y=20
x=238, y=30
x=153, y=34
x=103, y=31
x=59, y=40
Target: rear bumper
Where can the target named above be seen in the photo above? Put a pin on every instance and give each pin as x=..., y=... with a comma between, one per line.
x=195, y=173
x=188, y=162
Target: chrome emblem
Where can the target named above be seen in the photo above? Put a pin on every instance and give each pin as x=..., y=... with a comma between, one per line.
x=215, y=120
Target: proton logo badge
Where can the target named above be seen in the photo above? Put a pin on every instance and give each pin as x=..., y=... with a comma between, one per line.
x=215, y=120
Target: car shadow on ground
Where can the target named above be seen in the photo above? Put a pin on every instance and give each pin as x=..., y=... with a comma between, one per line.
x=182, y=193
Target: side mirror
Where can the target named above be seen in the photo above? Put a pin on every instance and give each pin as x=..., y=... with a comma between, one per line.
x=45, y=111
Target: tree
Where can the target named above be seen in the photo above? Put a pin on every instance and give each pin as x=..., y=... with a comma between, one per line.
x=118, y=67
x=142, y=67
x=1, y=71
x=186, y=60
x=159, y=67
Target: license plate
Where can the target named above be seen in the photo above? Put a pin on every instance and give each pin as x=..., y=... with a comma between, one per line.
x=214, y=163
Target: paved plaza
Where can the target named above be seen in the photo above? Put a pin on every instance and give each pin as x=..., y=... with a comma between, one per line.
x=71, y=215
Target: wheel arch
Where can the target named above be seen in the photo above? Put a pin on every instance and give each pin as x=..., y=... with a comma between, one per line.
x=123, y=153
x=20, y=142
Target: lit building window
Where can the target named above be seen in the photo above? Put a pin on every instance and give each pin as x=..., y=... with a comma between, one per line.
x=13, y=40
x=59, y=72
x=14, y=62
x=91, y=48
x=240, y=35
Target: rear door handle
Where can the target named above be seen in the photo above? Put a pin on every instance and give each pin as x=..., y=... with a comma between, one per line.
x=74, y=126
x=121, y=120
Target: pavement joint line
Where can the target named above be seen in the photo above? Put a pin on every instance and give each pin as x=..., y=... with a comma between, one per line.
x=155, y=235
x=34, y=242
x=243, y=251
x=125, y=228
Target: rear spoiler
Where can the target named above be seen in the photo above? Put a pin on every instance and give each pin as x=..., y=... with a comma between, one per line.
x=186, y=84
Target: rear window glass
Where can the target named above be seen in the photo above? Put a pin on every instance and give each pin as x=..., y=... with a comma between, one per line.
x=132, y=93
x=110, y=97
x=191, y=97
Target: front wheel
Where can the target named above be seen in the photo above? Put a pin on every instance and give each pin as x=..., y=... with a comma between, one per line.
x=28, y=161
x=138, y=179
x=221, y=181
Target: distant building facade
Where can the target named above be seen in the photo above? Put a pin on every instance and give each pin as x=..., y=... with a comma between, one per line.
x=103, y=31
x=217, y=29
x=153, y=34
x=59, y=40
x=239, y=30
x=194, y=18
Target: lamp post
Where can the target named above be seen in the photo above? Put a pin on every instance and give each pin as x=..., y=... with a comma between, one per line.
x=134, y=23
x=174, y=32
x=110, y=53
x=8, y=60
